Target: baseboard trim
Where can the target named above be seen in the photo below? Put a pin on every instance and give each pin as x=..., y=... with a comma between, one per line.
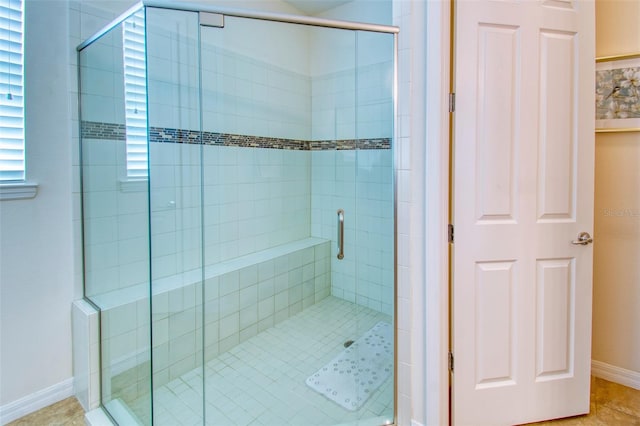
x=35, y=401
x=615, y=374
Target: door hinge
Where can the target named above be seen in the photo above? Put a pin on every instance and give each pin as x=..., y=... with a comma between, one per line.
x=452, y=102
x=450, y=232
x=451, y=362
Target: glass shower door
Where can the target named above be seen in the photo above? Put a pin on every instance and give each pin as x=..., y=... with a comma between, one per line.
x=292, y=333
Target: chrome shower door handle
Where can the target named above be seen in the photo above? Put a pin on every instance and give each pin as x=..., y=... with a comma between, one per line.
x=583, y=239
x=340, y=234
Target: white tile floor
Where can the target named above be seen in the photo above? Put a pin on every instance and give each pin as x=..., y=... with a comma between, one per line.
x=262, y=380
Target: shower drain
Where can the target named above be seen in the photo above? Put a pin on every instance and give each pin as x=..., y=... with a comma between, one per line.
x=348, y=343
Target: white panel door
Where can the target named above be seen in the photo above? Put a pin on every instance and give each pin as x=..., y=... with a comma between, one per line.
x=522, y=192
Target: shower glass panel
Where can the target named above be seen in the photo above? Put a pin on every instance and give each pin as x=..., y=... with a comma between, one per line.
x=374, y=231
x=238, y=217
x=115, y=200
x=175, y=167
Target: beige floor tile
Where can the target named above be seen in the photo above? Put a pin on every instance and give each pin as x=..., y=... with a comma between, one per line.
x=611, y=405
x=609, y=417
x=617, y=397
x=67, y=412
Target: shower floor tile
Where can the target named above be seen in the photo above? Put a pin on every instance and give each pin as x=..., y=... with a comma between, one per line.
x=262, y=380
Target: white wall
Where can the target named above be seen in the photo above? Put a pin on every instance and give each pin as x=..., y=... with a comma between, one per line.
x=40, y=251
x=616, y=280
x=36, y=239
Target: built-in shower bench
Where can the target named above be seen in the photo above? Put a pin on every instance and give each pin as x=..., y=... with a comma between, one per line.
x=116, y=298
x=299, y=252
x=241, y=297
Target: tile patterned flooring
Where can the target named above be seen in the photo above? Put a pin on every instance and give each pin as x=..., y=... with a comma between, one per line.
x=262, y=380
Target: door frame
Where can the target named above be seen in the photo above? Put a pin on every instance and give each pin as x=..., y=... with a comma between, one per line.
x=437, y=164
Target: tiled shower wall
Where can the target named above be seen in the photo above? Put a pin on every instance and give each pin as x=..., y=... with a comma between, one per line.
x=254, y=84
x=253, y=198
x=352, y=97
x=115, y=214
x=251, y=84
x=360, y=183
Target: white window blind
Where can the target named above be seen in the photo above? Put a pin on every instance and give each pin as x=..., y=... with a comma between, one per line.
x=135, y=95
x=11, y=92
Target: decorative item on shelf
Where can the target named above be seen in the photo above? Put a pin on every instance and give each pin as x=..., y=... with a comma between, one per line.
x=618, y=93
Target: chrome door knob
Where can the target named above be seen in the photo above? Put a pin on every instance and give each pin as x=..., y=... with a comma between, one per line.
x=583, y=239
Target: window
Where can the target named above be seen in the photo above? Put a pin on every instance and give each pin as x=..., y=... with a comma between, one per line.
x=135, y=95
x=11, y=92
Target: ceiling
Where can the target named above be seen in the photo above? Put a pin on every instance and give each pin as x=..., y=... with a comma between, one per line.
x=313, y=7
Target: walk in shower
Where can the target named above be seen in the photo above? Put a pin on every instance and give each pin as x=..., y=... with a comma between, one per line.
x=238, y=216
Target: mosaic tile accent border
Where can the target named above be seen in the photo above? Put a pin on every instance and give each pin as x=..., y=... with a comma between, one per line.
x=167, y=135
x=96, y=130
x=345, y=144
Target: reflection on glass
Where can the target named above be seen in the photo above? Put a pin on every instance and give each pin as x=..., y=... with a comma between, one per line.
x=135, y=95
x=115, y=225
